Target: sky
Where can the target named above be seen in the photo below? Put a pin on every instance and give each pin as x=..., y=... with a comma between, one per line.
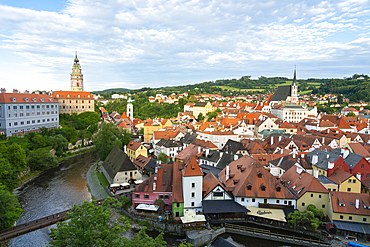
x=155, y=43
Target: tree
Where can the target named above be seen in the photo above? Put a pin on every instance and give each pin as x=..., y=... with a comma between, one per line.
x=304, y=219
x=340, y=99
x=351, y=114
x=41, y=159
x=108, y=137
x=59, y=143
x=8, y=176
x=163, y=157
x=38, y=141
x=200, y=117
x=9, y=207
x=89, y=225
x=15, y=155
x=160, y=203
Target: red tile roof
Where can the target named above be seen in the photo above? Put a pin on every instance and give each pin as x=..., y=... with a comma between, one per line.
x=192, y=168
x=72, y=95
x=349, y=201
x=26, y=98
x=177, y=182
x=134, y=145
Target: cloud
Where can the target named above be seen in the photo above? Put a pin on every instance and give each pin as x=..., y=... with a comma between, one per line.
x=130, y=41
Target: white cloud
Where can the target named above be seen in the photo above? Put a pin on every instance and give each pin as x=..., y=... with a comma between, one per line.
x=121, y=38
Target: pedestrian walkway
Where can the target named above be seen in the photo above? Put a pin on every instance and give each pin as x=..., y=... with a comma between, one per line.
x=97, y=191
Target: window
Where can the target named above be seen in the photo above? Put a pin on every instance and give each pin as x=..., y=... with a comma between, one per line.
x=303, y=204
x=311, y=195
x=278, y=189
x=285, y=202
x=362, y=166
x=259, y=175
x=137, y=195
x=323, y=206
x=253, y=200
x=193, y=185
x=249, y=187
x=21, y=107
x=146, y=196
x=319, y=196
x=263, y=188
x=364, y=219
x=350, y=217
x=218, y=194
x=166, y=197
x=177, y=204
x=192, y=204
x=277, y=201
x=349, y=189
x=14, y=107
x=161, y=197
x=177, y=214
x=242, y=199
x=192, y=194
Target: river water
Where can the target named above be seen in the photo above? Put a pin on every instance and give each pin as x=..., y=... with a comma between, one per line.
x=55, y=190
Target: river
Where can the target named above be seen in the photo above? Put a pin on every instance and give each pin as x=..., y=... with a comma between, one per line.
x=55, y=190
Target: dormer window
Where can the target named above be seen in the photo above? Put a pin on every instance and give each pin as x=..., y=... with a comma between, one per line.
x=79, y=96
x=259, y=174
x=34, y=99
x=263, y=187
x=68, y=96
x=249, y=187
x=13, y=99
x=57, y=95
x=25, y=99
x=278, y=189
x=42, y=99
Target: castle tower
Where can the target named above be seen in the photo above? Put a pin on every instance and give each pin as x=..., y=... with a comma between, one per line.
x=130, y=108
x=294, y=89
x=76, y=76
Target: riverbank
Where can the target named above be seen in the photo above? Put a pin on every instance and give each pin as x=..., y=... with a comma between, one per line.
x=31, y=175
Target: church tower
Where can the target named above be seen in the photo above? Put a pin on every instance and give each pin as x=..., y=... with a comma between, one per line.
x=130, y=108
x=76, y=76
x=294, y=89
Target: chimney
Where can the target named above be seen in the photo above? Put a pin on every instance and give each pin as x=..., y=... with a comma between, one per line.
x=15, y=90
x=235, y=157
x=357, y=203
x=3, y=90
x=207, y=151
x=227, y=172
x=315, y=159
x=125, y=149
x=358, y=175
x=323, y=140
x=316, y=173
x=330, y=164
x=199, y=149
x=272, y=140
x=302, y=156
x=279, y=138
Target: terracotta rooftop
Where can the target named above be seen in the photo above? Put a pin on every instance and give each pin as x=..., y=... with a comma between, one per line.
x=192, y=168
x=26, y=98
x=339, y=176
x=134, y=145
x=348, y=201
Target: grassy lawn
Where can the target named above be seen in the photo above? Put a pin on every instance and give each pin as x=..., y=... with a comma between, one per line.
x=306, y=92
x=314, y=83
x=237, y=89
x=102, y=179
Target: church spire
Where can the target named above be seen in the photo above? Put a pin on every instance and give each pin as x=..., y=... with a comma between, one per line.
x=294, y=88
x=295, y=76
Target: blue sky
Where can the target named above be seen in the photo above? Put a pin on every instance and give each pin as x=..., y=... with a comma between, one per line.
x=141, y=43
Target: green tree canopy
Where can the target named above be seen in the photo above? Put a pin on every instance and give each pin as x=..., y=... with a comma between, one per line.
x=108, y=137
x=200, y=117
x=163, y=157
x=59, y=143
x=41, y=159
x=9, y=207
x=304, y=219
x=90, y=225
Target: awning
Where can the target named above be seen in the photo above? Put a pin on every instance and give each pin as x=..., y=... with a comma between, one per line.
x=138, y=181
x=222, y=207
x=330, y=228
x=147, y=207
x=352, y=226
x=268, y=213
x=190, y=217
x=125, y=184
x=114, y=185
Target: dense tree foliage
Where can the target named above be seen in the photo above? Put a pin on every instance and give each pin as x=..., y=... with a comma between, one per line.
x=9, y=207
x=163, y=157
x=89, y=225
x=108, y=137
x=309, y=219
x=41, y=159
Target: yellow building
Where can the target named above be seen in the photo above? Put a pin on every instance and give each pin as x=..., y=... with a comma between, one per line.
x=345, y=181
x=350, y=212
x=74, y=101
x=134, y=149
x=306, y=188
x=154, y=125
x=201, y=107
